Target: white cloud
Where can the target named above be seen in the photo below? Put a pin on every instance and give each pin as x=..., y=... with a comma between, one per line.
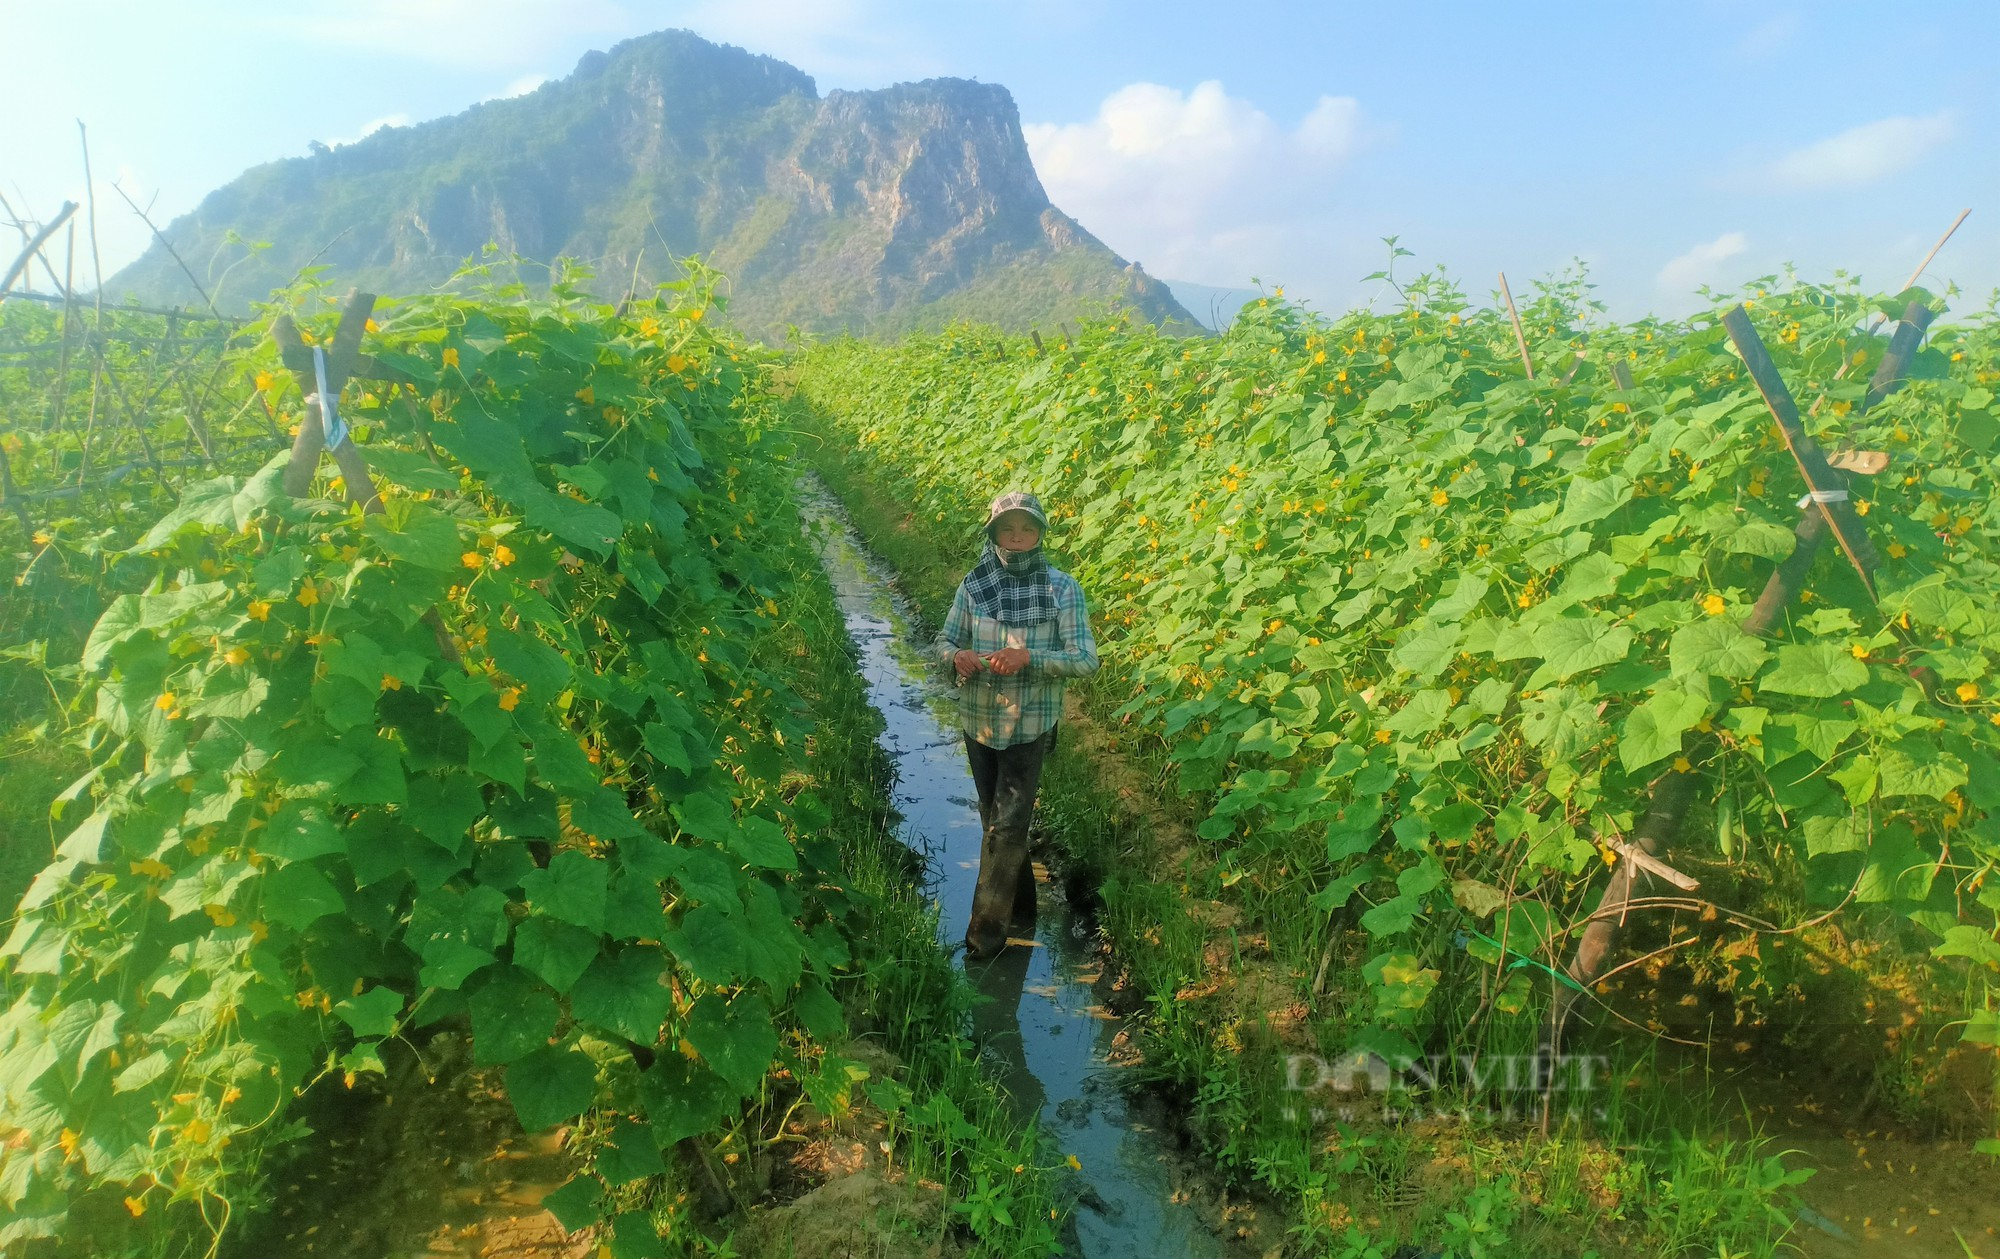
x=1200, y=185
x=371, y=127
x=1864, y=154
x=1702, y=264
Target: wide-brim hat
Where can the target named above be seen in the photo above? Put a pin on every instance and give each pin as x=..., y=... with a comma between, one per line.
x=1017, y=500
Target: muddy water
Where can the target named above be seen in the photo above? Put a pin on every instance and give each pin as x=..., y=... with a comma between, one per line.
x=1051, y=1042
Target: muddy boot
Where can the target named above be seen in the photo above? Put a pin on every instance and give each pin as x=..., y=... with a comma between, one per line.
x=1003, y=855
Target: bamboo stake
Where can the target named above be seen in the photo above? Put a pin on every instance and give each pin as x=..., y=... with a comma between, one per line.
x=171, y=251
x=1827, y=487
x=1786, y=580
x=97, y=318
x=127, y=308
x=1520, y=337
x=34, y=246
x=1880, y=318
x=1918, y=273
x=55, y=422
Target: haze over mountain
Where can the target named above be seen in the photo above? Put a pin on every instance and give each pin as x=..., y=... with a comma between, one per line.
x=874, y=211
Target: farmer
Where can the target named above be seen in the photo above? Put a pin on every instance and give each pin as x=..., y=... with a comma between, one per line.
x=1017, y=629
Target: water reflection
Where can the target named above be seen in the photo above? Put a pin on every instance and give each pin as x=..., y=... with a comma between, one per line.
x=996, y=1025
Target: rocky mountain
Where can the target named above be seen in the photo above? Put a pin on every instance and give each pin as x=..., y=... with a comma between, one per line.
x=874, y=211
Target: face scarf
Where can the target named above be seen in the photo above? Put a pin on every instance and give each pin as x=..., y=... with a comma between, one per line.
x=1012, y=588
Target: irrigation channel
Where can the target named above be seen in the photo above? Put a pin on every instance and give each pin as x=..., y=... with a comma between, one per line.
x=1052, y=1042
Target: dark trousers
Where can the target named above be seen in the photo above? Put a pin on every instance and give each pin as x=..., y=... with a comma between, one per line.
x=1006, y=779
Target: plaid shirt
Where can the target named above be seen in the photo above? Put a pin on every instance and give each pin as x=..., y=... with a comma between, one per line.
x=1001, y=712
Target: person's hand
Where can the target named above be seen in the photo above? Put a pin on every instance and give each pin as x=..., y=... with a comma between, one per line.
x=1008, y=661
x=966, y=663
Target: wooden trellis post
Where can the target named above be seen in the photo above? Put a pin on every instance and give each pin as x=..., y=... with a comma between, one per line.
x=1827, y=511
x=342, y=357
x=344, y=362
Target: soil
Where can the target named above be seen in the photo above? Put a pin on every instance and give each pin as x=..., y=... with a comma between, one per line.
x=424, y=1167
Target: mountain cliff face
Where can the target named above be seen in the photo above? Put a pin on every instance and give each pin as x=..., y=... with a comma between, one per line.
x=860, y=211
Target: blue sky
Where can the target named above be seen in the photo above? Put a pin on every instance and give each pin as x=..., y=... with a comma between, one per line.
x=1665, y=144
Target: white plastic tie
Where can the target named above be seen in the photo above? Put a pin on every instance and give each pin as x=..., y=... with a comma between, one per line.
x=329, y=413
x=1824, y=496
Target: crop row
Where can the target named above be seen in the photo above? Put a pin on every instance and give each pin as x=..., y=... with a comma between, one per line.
x=507, y=749
x=1424, y=635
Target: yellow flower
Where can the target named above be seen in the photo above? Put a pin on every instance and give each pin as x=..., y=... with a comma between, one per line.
x=196, y=1131
x=264, y=382
x=510, y=699
x=1424, y=544
x=1714, y=605
x=1968, y=691
x=502, y=557
x=260, y=610
x=41, y=537
x=1682, y=765
x=137, y=1206
x=1897, y=550
x=236, y=655
x=258, y=933
x=390, y=682
x=1383, y=736
x=1439, y=498
x=695, y=316
x=676, y=363
x=219, y=915
x=308, y=594
x=587, y=396
x=166, y=702
x=450, y=356
x=472, y=559
x=1858, y=651
x=1074, y=1164
x=152, y=868
x=649, y=327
